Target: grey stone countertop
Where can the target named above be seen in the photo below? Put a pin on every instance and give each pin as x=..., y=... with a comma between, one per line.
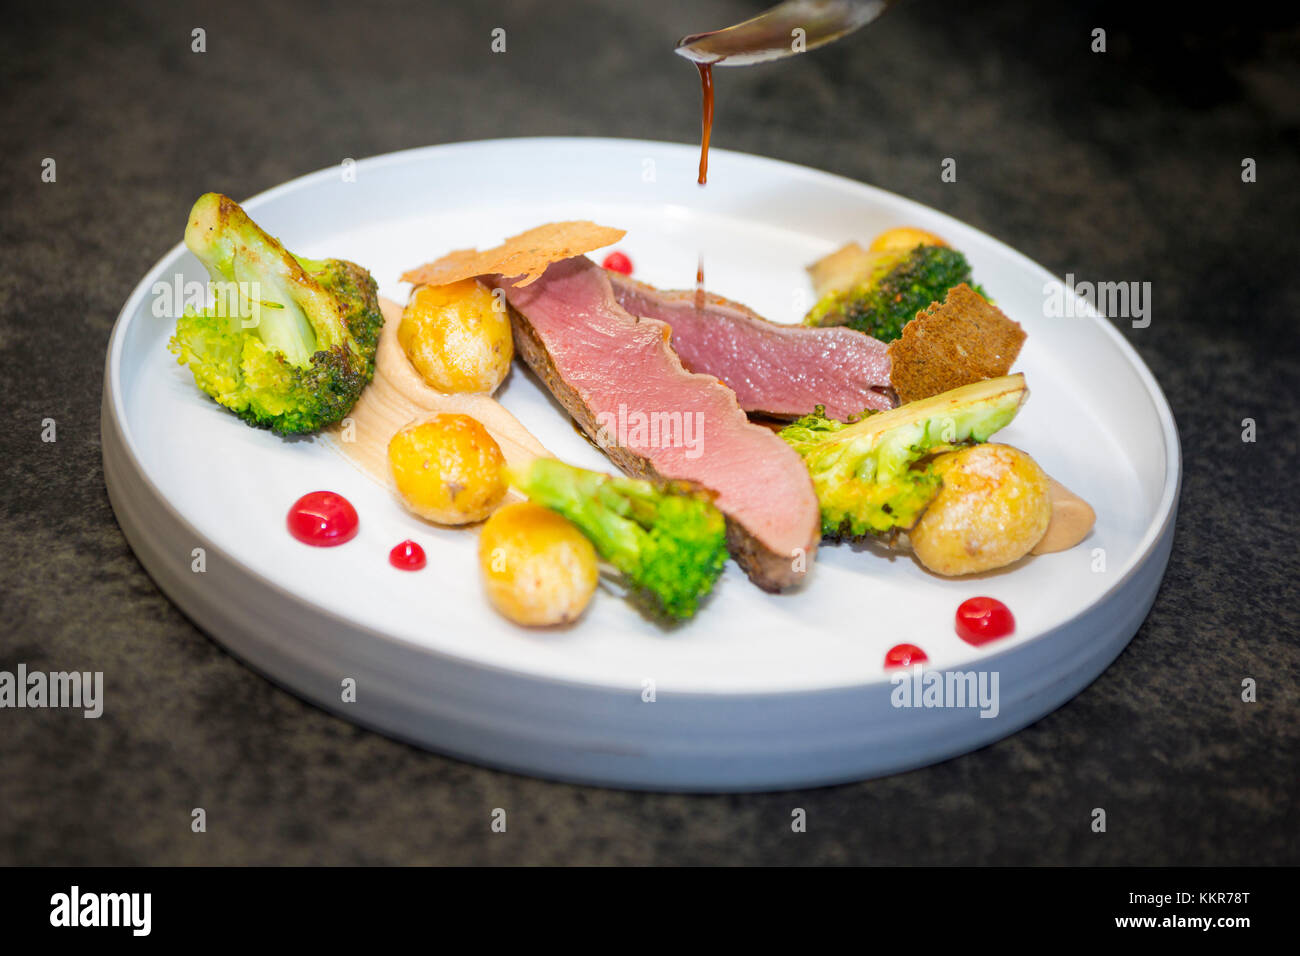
x=1123, y=166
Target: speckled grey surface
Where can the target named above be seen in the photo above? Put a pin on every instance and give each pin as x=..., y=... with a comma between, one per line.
x=1123, y=166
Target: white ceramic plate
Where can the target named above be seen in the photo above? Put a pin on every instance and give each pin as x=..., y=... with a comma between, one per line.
x=758, y=691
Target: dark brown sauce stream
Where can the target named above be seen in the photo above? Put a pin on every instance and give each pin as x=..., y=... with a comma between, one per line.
x=706, y=117
x=706, y=130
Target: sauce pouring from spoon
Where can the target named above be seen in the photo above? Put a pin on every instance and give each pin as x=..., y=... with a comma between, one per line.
x=787, y=29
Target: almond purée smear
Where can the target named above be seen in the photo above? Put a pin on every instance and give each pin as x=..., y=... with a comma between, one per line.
x=398, y=396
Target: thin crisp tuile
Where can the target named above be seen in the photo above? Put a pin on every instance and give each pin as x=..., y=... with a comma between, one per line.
x=527, y=254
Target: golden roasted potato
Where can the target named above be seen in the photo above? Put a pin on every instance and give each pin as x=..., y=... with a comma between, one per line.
x=457, y=337
x=903, y=238
x=841, y=269
x=993, y=508
x=447, y=469
x=538, y=568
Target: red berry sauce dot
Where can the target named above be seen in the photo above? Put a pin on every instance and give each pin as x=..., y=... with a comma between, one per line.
x=617, y=262
x=983, y=619
x=323, y=519
x=904, y=655
x=407, y=556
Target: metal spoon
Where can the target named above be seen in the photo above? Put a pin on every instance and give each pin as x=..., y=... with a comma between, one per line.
x=772, y=36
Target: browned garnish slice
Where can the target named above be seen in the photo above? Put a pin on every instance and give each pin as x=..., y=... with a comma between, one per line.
x=526, y=255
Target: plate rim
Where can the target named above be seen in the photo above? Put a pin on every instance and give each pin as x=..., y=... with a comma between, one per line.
x=113, y=401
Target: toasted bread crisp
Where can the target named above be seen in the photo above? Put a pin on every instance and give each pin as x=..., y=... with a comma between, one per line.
x=527, y=254
x=961, y=340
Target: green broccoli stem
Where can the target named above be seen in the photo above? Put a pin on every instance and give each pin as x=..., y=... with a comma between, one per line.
x=864, y=474
x=668, y=540
x=257, y=283
x=589, y=500
x=288, y=344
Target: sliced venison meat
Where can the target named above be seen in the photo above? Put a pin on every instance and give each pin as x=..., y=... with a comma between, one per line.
x=616, y=375
x=780, y=370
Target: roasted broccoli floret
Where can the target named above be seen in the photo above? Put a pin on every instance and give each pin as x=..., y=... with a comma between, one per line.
x=870, y=476
x=288, y=343
x=896, y=287
x=667, y=538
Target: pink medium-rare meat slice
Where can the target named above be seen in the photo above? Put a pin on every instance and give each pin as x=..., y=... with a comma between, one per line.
x=618, y=378
x=780, y=370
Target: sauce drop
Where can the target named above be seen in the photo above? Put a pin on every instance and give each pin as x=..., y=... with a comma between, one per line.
x=706, y=130
x=407, y=556
x=323, y=519
x=706, y=117
x=617, y=262
x=905, y=655
x=984, y=619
